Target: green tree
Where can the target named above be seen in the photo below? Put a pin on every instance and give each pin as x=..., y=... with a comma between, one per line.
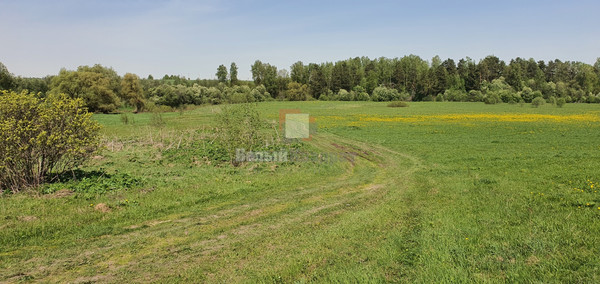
x=586, y=78
x=317, y=82
x=411, y=71
x=437, y=77
x=7, y=80
x=266, y=74
x=370, y=82
x=340, y=77
x=132, y=91
x=515, y=74
x=98, y=86
x=222, y=73
x=32, y=85
x=299, y=73
x=258, y=71
x=468, y=73
x=385, y=71
x=283, y=78
x=297, y=91
x=491, y=68
x=233, y=74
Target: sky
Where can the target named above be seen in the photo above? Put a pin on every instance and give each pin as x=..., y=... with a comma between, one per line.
x=192, y=38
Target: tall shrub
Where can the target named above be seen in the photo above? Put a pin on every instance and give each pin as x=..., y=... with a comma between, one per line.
x=238, y=127
x=39, y=137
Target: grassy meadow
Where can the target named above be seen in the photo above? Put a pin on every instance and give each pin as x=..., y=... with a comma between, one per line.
x=435, y=192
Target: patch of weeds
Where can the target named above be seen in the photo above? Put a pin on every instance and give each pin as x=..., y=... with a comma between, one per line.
x=156, y=120
x=92, y=183
x=239, y=127
x=125, y=119
x=397, y=104
x=210, y=150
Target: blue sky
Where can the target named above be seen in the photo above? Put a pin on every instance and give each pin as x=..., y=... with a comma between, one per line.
x=191, y=38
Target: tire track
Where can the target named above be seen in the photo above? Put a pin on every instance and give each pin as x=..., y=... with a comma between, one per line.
x=207, y=236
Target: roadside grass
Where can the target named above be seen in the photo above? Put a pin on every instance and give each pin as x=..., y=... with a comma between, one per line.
x=462, y=200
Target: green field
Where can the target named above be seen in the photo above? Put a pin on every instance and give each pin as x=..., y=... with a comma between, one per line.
x=435, y=192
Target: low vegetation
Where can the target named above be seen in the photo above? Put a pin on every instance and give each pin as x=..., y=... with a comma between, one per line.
x=537, y=102
x=398, y=104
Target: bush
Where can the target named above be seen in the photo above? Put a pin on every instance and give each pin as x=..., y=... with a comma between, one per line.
x=397, y=104
x=428, y=98
x=358, y=89
x=238, y=98
x=214, y=96
x=153, y=107
x=39, y=137
x=560, y=102
x=509, y=96
x=385, y=94
x=361, y=96
x=527, y=94
x=344, y=95
x=492, y=99
x=238, y=127
x=475, y=96
x=455, y=95
x=297, y=92
x=537, y=102
x=592, y=99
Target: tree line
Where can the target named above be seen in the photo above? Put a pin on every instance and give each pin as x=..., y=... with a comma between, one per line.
x=419, y=80
x=490, y=80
